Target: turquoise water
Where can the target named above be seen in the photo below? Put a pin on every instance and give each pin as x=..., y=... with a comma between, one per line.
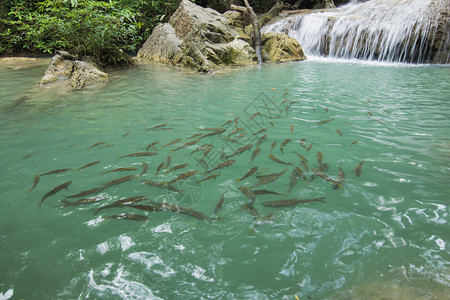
x=385, y=233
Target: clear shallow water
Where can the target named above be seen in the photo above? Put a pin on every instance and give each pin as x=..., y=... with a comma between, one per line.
x=385, y=233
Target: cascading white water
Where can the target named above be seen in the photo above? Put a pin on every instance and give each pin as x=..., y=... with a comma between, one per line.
x=383, y=30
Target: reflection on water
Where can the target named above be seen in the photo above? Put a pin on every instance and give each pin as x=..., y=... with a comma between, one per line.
x=386, y=228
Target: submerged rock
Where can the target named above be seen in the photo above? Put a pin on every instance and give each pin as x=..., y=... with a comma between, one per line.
x=204, y=40
x=75, y=73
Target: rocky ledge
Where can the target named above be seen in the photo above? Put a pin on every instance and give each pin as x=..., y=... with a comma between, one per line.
x=64, y=69
x=204, y=40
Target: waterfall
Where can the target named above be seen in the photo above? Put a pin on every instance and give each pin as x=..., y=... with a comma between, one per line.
x=384, y=30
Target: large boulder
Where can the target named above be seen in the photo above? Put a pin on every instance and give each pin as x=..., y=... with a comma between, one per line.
x=281, y=48
x=63, y=70
x=201, y=39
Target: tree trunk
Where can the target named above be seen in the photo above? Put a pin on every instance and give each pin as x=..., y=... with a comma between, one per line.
x=256, y=28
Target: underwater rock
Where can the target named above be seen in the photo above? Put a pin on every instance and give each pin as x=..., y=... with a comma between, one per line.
x=202, y=39
x=75, y=73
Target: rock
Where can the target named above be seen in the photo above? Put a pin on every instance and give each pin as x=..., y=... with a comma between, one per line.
x=78, y=74
x=202, y=39
x=281, y=48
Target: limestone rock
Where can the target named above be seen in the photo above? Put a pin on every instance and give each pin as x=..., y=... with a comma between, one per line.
x=281, y=48
x=78, y=74
x=202, y=39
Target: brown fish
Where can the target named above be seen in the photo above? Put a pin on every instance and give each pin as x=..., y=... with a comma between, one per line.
x=340, y=177
x=171, y=143
x=144, y=169
x=255, y=153
x=186, y=145
x=261, y=139
x=95, y=145
x=219, y=204
x=254, y=115
x=301, y=157
x=226, y=123
x=121, y=169
x=240, y=150
x=247, y=192
x=278, y=174
x=85, y=193
x=289, y=202
x=121, y=202
x=260, y=131
x=150, y=208
x=292, y=129
x=138, y=154
x=163, y=185
x=151, y=145
x=286, y=141
x=126, y=134
x=339, y=132
x=241, y=135
x=183, y=176
x=220, y=131
x=353, y=143
x=208, y=149
x=325, y=121
x=156, y=127
x=168, y=161
x=221, y=165
x=82, y=201
x=358, y=170
x=273, y=146
x=35, y=182
x=335, y=183
x=310, y=146
x=212, y=176
x=118, y=181
x=249, y=173
x=203, y=163
x=59, y=171
x=300, y=173
x=211, y=129
x=305, y=166
x=294, y=178
x=176, y=168
x=319, y=156
x=28, y=155
x=278, y=161
x=54, y=191
x=161, y=165
x=271, y=123
x=265, y=192
x=183, y=210
x=193, y=136
x=127, y=216
x=265, y=181
x=236, y=131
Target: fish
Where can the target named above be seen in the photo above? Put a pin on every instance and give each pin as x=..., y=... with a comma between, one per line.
x=222, y=130
x=335, y=183
x=118, y=181
x=203, y=163
x=55, y=190
x=226, y=123
x=305, y=166
x=208, y=149
x=126, y=134
x=340, y=177
x=286, y=141
x=249, y=173
x=353, y=143
x=121, y=169
x=161, y=165
x=240, y=150
x=212, y=176
x=278, y=161
x=326, y=109
x=294, y=178
x=138, y=154
x=219, y=204
x=109, y=145
x=144, y=169
x=301, y=157
x=319, y=156
x=183, y=176
x=287, y=108
x=127, y=216
x=251, y=208
x=379, y=121
x=95, y=145
x=289, y=202
x=292, y=129
x=222, y=153
x=324, y=167
x=266, y=192
x=369, y=113
x=163, y=185
x=261, y=139
x=183, y=210
x=81, y=201
x=176, y=168
x=166, y=128
x=121, y=202
x=58, y=171
x=255, y=153
x=151, y=145
x=210, y=129
x=193, y=136
x=284, y=101
x=271, y=123
x=28, y=155
x=186, y=145
x=241, y=135
x=236, y=121
x=273, y=146
x=358, y=170
x=247, y=192
x=339, y=132
x=285, y=93
x=221, y=165
x=85, y=193
x=232, y=140
x=300, y=173
x=156, y=127
x=35, y=182
x=198, y=149
x=150, y=208
x=254, y=115
x=236, y=131
x=260, y=131
x=171, y=143
x=265, y=180
x=278, y=174
x=168, y=161
x=325, y=121
x=310, y=146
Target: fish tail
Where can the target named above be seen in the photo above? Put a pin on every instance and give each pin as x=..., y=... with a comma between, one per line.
x=238, y=180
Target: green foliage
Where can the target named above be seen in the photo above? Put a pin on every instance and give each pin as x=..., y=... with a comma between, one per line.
x=105, y=30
